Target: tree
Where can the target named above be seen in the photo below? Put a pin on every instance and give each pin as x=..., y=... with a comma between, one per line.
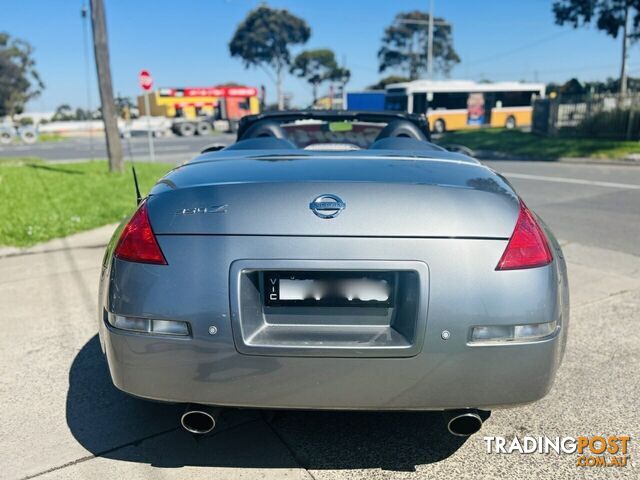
x=404, y=45
x=319, y=66
x=19, y=80
x=124, y=106
x=108, y=108
x=264, y=38
x=82, y=114
x=611, y=16
x=383, y=82
x=576, y=87
x=63, y=113
x=340, y=75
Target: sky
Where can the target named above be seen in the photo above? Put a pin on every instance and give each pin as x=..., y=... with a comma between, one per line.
x=185, y=43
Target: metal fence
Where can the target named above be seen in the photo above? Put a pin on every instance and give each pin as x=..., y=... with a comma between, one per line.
x=593, y=116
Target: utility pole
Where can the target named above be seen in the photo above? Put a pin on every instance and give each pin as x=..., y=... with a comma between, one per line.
x=87, y=71
x=109, y=112
x=430, y=23
x=625, y=47
x=279, y=78
x=430, y=43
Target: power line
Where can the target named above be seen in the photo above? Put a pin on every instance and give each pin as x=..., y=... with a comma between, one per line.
x=512, y=73
x=520, y=48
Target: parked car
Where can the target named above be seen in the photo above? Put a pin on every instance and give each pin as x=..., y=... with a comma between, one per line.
x=334, y=260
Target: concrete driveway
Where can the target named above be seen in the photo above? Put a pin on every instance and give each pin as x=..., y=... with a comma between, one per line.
x=62, y=418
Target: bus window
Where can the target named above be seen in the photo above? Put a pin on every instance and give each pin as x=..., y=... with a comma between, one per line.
x=419, y=103
x=516, y=99
x=449, y=101
x=396, y=103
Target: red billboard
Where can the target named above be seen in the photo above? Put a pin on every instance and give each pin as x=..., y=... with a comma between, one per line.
x=209, y=92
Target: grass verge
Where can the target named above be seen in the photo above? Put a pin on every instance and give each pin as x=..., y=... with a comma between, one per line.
x=41, y=201
x=519, y=143
x=51, y=137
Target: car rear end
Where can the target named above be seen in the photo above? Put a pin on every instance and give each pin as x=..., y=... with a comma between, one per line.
x=430, y=286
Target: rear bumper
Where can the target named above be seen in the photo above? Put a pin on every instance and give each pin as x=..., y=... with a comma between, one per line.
x=482, y=377
x=442, y=374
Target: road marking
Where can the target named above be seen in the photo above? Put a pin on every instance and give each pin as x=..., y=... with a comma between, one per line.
x=577, y=181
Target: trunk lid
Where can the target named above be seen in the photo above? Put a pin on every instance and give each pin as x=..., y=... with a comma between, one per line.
x=382, y=196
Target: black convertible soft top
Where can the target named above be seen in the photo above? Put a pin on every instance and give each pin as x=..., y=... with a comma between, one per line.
x=332, y=116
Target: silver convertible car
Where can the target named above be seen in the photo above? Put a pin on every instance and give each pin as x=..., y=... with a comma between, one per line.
x=334, y=260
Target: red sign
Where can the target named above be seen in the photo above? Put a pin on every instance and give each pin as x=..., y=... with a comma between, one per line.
x=145, y=80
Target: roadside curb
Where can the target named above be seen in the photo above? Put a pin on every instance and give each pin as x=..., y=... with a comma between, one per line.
x=95, y=238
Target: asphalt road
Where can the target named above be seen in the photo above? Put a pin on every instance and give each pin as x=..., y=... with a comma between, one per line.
x=168, y=149
x=62, y=418
x=596, y=205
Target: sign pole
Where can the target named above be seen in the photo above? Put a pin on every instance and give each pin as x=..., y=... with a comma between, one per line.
x=149, y=133
x=146, y=83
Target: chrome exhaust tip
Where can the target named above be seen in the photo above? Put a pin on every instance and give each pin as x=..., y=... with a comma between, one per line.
x=199, y=419
x=463, y=423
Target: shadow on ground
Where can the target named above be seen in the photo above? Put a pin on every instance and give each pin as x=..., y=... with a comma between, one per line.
x=114, y=425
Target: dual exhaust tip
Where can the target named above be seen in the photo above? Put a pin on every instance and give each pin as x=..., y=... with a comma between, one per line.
x=201, y=420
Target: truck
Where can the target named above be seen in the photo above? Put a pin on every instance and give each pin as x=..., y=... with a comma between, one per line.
x=199, y=110
x=368, y=101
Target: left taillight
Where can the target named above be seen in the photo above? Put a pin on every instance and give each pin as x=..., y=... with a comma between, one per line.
x=137, y=242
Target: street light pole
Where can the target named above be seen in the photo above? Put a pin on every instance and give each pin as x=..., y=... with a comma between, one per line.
x=430, y=43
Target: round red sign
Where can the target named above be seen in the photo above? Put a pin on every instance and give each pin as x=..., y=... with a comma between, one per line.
x=145, y=80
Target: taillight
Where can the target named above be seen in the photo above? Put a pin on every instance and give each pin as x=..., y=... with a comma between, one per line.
x=528, y=246
x=137, y=242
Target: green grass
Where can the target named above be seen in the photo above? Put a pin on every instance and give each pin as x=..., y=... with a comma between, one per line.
x=43, y=138
x=519, y=143
x=51, y=137
x=41, y=201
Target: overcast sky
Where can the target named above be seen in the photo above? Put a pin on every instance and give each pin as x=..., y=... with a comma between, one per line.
x=185, y=43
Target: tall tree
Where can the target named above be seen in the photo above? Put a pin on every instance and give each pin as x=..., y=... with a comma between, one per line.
x=405, y=45
x=19, y=80
x=611, y=16
x=319, y=66
x=264, y=38
x=340, y=75
x=108, y=107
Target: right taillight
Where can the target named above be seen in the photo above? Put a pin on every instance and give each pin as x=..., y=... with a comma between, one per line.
x=528, y=246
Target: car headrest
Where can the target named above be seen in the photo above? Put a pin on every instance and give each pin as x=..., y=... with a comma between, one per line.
x=402, y=128
x=264, y=129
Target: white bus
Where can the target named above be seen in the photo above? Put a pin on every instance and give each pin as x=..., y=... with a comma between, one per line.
x=458, y=104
